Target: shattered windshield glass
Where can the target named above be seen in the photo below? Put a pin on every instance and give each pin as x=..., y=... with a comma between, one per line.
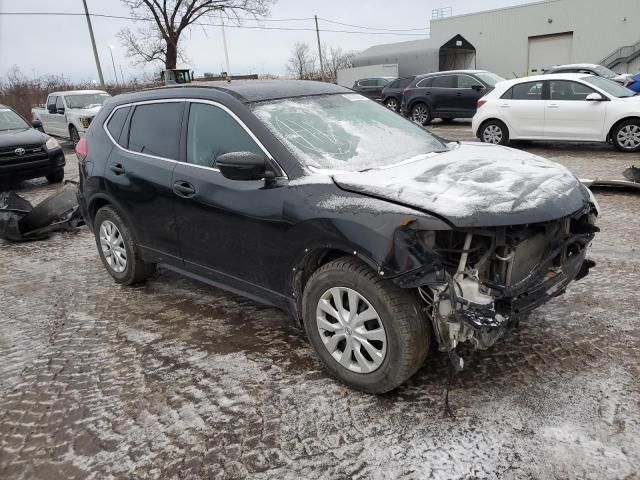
x=344, y=132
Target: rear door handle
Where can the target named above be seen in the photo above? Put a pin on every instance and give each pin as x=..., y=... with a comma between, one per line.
x=504, y=105
x=117, y=168
x=553, y=105
x=184, y=189
x=459, y=94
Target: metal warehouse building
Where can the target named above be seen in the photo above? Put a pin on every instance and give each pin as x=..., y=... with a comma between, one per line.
x=522, y=40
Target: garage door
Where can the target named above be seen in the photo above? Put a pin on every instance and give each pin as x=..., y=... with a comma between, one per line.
x=548, y=50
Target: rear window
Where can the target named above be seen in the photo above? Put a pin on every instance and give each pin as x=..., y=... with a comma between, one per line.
x=155, y=129
x=116, y=122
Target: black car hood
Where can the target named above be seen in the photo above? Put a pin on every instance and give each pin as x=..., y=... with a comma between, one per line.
x=476, y=185
x=20, y=138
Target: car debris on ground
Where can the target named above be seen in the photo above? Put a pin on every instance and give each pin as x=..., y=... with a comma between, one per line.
x=20, y=221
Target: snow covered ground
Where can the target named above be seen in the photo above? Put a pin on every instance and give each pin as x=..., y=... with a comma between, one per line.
x=175, y=379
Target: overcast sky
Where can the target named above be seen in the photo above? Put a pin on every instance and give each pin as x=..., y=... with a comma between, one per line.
x=42, y=45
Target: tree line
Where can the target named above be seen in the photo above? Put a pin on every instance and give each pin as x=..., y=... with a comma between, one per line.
x=304, y=63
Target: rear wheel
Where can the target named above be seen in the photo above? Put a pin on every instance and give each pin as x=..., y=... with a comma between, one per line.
x=55, y=177
x=369, y=333
x=75, y=136
x=626, y=136
x=421, y=114
x=118, y=250
x=495, y=132
x=392, y=104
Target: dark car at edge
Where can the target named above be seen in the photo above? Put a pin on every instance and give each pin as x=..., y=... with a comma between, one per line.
x=26, y=152
x=380, y=241
x=446, y=95
x=391, y=95
x=371, y=87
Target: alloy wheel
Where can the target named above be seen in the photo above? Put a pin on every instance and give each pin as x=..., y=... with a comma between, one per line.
x=628, y=137
x=112, y=244
x=492, y=134
x=392, y=104
x=420, y=114
x=351, y=330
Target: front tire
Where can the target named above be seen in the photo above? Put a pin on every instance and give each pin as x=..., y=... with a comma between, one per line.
x=118, y=251
x=421, y=114
x=55, y=177
x=626, y=136
x=368, y=333
x=494, y=132
x=392, y=104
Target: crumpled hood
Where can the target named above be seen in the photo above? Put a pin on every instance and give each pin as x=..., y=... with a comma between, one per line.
x=476, y=185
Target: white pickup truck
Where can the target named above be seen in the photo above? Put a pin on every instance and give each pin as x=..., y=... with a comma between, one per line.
x=69, y=114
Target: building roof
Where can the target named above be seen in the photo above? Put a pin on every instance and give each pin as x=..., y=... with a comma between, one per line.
x=394, y=48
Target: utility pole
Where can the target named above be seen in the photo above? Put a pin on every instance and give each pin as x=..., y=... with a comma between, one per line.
x=113, y=63
x=226, y=54
x=93, y=43
x=319, y=50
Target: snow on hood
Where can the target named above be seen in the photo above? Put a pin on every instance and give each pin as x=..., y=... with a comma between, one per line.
x=476, y=185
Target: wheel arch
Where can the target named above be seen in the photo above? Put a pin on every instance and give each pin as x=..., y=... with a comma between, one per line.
x=618, y=122
x=489, y=119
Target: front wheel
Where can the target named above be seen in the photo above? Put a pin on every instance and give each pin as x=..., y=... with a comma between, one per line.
x=421, y=114
x=392, y=104
x=118, y=251
x=626, y=136
x=495, y=132
x=369, y=334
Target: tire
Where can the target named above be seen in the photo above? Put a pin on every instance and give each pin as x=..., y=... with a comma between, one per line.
x=494, y=132
x=74, y=135
x=420, y=114
x=406, y=331
x=392, y=104
x=134, y=269
x=55, y=177
x=626, y=136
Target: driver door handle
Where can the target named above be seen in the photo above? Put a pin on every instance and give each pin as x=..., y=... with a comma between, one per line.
x=553, y=105
x=184, y=189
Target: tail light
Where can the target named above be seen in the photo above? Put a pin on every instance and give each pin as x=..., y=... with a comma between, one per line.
x=481, y=102
x=82, y=148
x=628, y=82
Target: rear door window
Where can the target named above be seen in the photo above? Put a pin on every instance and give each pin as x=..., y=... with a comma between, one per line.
x=212, y=132
x=445, y=81
x=524, y=91
x=155, y=129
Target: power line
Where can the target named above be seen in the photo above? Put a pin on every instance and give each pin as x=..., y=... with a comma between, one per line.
x=248, y=27
x=374, y=28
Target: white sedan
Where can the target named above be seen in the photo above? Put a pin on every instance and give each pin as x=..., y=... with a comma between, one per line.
x=566, y=107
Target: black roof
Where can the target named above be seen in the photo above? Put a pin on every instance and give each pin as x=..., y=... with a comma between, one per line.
x=262, y=90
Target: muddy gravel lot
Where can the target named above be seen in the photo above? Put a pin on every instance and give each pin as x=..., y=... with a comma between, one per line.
x=175, y=379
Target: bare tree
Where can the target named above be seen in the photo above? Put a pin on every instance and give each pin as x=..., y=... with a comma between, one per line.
x=302, y=62
x=166, y=20
x=336, y=60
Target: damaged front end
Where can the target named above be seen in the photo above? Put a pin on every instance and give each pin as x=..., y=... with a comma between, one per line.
x=493, y=277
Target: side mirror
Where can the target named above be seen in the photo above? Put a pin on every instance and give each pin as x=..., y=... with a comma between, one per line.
x=477, y=88
x=595, y=97
x=243, y=166
x=37, y=124
x=60, y=111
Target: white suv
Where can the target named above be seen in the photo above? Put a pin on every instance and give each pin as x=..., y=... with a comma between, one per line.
x=566, y=107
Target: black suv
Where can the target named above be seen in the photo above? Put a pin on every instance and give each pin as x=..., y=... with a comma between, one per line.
x=26, y=152
x=375, y=236
x=446, y=95
x=371, y=87
x=391, y=95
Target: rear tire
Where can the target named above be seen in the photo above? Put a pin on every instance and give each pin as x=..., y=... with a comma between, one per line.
x=74, y=135
x=118, y=251
x=626, y=136
x=55, y=177
x=421, y=114
x=494, y=132
x=387, y=338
